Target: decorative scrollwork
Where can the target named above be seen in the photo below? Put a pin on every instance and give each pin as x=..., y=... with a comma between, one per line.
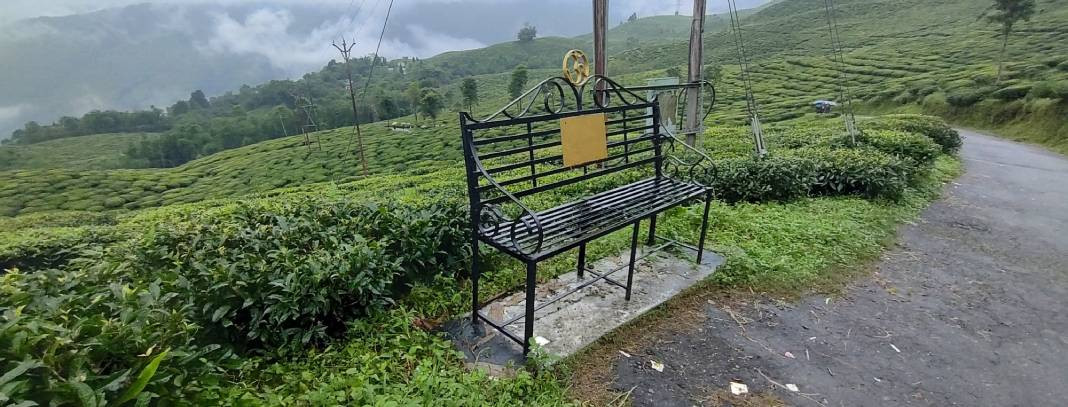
x=558, y=95
x=698, y=168
x=606, y=91
x=490, y=219
x=550, y=96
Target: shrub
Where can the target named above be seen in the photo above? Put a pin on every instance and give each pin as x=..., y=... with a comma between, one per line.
x=865, y=172
x=40, y=248
x=285, y=273
x=1054, y=61
x=906, y=145
x=1050, y=90
x=936, y=100
x=773, y=178
x=793, y=174
x=81, y=337
x=56, y=219
x=1063, y=66
x=965, y=97
x=933, y=127
x=1012, y=92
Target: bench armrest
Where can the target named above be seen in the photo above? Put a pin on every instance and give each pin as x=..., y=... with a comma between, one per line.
x=490, y=218
x=699, y=170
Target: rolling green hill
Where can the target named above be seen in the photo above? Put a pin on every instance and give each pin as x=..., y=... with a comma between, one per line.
x=913, y=56
x=92, y=152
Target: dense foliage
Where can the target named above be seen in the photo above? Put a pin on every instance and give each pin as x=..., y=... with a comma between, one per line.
x=94, y=122
x=260, y=277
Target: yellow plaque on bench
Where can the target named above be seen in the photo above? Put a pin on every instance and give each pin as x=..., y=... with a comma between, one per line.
x=583, y=139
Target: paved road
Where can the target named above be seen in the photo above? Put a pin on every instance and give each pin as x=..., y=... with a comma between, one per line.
x=970, y=308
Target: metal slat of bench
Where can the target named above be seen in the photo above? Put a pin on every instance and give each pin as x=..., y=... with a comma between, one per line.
x=602, y=210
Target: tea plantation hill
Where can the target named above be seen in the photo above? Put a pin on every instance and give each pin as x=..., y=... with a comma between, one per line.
x=92, y=152
x=930, y=56
x=901, y=55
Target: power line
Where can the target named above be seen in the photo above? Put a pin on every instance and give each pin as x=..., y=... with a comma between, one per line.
x=345, y=48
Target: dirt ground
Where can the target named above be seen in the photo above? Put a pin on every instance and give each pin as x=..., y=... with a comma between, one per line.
x=969, y=308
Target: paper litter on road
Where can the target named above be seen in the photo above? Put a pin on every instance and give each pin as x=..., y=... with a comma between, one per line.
x=791, y=387
x=541, y=341
x=625, y=354
x=738, y=389
x=657, y=366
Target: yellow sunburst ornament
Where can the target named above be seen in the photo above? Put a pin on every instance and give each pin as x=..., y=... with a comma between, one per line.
x=576, y=67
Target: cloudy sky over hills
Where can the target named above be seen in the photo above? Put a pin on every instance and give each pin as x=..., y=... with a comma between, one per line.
x=66, y=57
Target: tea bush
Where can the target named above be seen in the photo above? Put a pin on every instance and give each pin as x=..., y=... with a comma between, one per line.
x=866, y=172
x=787, y=175
x=89, y=336
x=49, y=247
x=55, y=219
x=911, y=146
x=933, y=127
x=1012, y=92
x=965, y=97
x=776, y=177
x=266, y=276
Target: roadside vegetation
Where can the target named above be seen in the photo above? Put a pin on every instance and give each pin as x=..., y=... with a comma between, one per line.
x=318, y=294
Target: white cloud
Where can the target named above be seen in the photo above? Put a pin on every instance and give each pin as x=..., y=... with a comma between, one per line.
x=13, y=10
x=7, y=113
x=269, y=32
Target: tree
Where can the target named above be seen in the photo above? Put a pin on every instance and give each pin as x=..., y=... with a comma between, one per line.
x=632, y=18
x=198, y=100
x=527, y=33
x=431, y=103
x=519, y=81
x=179, y=108
x=469, y=91
x=1008, y=13
x=414, y=94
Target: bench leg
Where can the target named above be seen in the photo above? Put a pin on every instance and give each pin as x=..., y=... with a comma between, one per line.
x=581, y=262
x=704, y=229
x=633, y=256
x=652, y=230
x=528, y=320
x=474, y=282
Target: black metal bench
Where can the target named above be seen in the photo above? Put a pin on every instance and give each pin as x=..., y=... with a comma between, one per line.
x=517, y=156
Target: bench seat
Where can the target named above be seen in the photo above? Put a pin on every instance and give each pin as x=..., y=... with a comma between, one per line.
x=566, y=226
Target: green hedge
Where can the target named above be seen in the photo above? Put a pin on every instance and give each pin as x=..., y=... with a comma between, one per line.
x=793, y=174
x=911, y=146
x=933, y=127
x=268, y=275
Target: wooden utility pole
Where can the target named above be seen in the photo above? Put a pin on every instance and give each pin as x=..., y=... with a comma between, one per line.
x=345, y=48
x=694, y=77
x=600, y=24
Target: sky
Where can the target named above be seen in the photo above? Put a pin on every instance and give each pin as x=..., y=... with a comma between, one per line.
x=12, y=10
x=292, y=36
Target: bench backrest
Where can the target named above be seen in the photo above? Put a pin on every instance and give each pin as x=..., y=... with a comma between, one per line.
x=519, y=148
